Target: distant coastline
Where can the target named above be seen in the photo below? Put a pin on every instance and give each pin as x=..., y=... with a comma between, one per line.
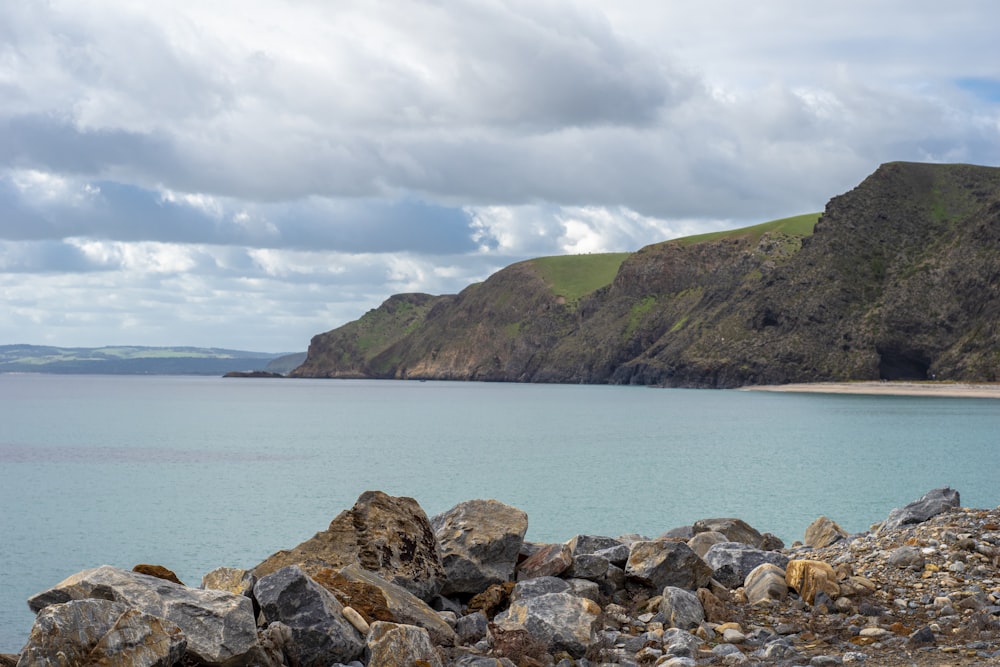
x=938, y=389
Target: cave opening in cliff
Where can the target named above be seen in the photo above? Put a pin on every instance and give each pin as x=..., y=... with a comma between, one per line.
x=897, y=364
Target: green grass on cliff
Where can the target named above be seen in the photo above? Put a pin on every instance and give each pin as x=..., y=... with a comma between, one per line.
x=575, y=276
x=799, y=225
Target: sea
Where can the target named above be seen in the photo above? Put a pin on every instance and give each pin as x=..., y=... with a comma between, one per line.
x=195, y=473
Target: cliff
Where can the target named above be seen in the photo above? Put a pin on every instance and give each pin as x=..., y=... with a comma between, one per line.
x=898, y=279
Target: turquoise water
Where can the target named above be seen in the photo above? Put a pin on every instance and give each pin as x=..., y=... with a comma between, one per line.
x=195, y=473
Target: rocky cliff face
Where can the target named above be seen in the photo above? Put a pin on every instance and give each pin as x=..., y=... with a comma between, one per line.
x=899, y=280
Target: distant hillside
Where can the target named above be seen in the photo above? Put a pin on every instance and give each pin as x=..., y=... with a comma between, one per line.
x=896, y=279
x=134, y=360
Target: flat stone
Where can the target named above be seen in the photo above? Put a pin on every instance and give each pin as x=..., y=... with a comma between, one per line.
x=101, y=632
x=390, y=536
x=320, y=633
x=219, y=626
x=658, y=564
x=480, y=541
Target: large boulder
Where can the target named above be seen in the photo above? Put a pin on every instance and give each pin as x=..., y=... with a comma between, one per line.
x=808, y=578
x=101, y=632
x=731, y=562
x=550, y=560
x=219, y=626
x=392, y=645
x=390, y=536
x=658, y=564
x=737, y=530
x=765, y=582
x=405, y=607
x=320, y=635
x=930, y=504
x=560, y=621
x=480, y=541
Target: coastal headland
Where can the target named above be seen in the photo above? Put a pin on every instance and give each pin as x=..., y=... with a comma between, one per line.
x=385, y=584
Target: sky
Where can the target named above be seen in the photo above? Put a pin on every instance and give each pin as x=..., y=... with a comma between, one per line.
x=249, y=173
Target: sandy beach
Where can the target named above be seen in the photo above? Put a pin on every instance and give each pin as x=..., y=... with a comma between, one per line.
x=949, y=389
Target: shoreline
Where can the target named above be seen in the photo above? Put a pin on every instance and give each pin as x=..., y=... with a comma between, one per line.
x=935, y=389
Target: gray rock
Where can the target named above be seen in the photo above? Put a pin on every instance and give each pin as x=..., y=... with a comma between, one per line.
x=585, y=588
x=930, y=504
x=659, y=564
x=219, y=626
x=549, y=561
x=907, y=557
x=702, y=542
x=765, y=582
x=588, y=566
x=679, y=642
x=737, y=530
x=471, y=628
x=531, y=588
x=394, y=645
x=591, y=544
x=390, y=536
x=320, y=634
x=681, y=609
x=96, y=632
x=616, y=555
x=405, y=606
x=731, y=562
x=560, y=621
x=480, y=541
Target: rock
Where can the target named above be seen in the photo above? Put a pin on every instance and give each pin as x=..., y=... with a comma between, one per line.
x=588, y=566
x=219, y=626
x=364, y=598
x=680, y=643
x=320, y=633
x=357, y=620
x=101, y=632
x=930, y=504
x=560, y=621
x=390, y=536
x=471, y=627
x=585, y=588
x=616, y=555
x=393, y=645
x=660, y=564
x=681, y=608
x=549, y=561
x=823, y=532
x=715, y=609
x=701, y=542
x=157, y=571
x=480, y=541
x=731, y=562
x=907, y=556
x=592, y=544
x=810, y=577
x=532, y=588
x=229, y=579
x=493, y=599
x=406, y=608
x=765, y=582
x=737, y=530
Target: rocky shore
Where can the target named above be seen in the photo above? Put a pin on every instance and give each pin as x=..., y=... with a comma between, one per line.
x=385, y=584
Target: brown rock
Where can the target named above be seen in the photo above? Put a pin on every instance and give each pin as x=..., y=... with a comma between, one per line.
x=715, y=609
x=492, y=600
x=157, y=571
x=549, y=561
x=823, y=532
x=736, y=530
x=392, y=645
x=367, y=600
x=390, y=536
x=809, y=577
x=765, y=582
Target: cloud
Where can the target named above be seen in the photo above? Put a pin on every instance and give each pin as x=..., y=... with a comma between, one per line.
x=166, y=166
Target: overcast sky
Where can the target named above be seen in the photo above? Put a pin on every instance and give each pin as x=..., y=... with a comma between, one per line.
x=248, y=173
